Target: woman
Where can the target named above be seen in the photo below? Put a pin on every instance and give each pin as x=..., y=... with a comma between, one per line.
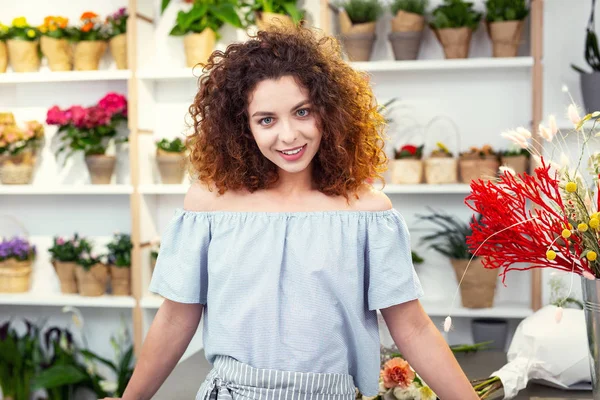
x=281, y=243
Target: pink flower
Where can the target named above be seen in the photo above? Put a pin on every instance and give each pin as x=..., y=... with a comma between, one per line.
x=56, y=116
x=114, y=103
x=397, y=373
x=77, y=115
x=60, y=241
x=96, y=116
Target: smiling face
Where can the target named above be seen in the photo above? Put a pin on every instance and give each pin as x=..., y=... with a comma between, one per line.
x=284, y=124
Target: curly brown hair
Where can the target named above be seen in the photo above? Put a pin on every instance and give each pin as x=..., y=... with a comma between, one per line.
x=223, y=152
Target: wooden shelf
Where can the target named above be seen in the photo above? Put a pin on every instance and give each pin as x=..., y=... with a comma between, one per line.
x=441, y=309
x=65, y=76
x=51, y=190
x=61, y=300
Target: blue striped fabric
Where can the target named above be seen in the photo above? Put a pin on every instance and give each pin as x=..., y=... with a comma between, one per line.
x=290, y=291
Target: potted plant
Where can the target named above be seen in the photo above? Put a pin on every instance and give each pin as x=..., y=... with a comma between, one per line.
x=16, y=257
x=91, y=272
x=19, y=148
x=119, y=262
x=505, y=23
x=117, y=36
x=453, y=23
x=478, y=163
x=22, y=44
x=516, y=158
x=90, y=42
x=590, y=81
x=408, y=165
x=64, y=255
x=266, y=13
x=357, y=23
x=441, y=166
x=91, y=130
x=478, y=285
x=55, y=43
x=3, y=50
x=171, y=159
x=200, y=25
x=407, y=27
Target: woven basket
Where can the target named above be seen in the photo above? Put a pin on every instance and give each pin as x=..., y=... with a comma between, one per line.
x=442, y=170
x=478, y=168
x=199, y=46
x=16, y=173
x=92, y=282
x=88, y=53
x=23, y=55
x=120, y=280
x=3, y=56
x=407, y=171
x=118, y=49
x=478, y=286
x=58, y=52
x=16, y=278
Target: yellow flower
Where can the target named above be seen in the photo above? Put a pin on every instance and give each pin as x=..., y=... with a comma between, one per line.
x=571, y=187
x=43, y=28
x=582, y=227
x=566, y=233
x=594, y=222
x=591, y=255
x=550, y=255
x=3, y=28
x=31, y=33
x=443, y=147
x=52, y=28
x=19, y=22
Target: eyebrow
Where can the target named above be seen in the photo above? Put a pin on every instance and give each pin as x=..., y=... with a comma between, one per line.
x=267, y=113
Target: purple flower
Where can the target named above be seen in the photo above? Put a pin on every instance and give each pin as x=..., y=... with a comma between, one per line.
x=17, y=248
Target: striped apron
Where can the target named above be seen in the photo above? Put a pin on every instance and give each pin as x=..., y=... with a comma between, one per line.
x=231, y=380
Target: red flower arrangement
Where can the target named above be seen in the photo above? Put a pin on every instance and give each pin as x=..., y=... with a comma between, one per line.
x=409, y=151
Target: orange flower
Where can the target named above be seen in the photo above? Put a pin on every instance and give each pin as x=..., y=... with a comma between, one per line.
x=397, y=373
x=88, y=15
x=87, y=27
x=47, y=20
x=62, y=22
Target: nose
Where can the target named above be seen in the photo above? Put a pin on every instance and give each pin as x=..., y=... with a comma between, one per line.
x=288, y=133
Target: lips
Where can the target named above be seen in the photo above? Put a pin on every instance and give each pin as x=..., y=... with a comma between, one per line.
x=290, y=150
x=293, y=154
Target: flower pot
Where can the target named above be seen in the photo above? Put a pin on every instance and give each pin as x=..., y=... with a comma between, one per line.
x=455, y=41
x=407, y=171
x=17, y=170
x=66, y=276
x=478, y=168
x=120, y=280
x=505, y=37
x=23, y=55
x=118, y=49
x=101, y=168
x=58, y=52
x=264, y=20
x=407, y=22
x=591, y=300
x=519, y=164
x=590, y=90
x=358, y=46
x=16, y=277
x=199, y=47
x=406, y=45
x=478, y=286
x=92, y=282
x=171, y=166
x=3, y=56
x=88, y=54
x=440, y=170
x=490, y=330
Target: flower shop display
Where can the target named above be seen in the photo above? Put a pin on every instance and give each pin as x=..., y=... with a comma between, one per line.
x=19, y=148
x=452, y=239
x=441, y=166
x=408, y=165
x=200, y=25
x=23, y=51
x=90, y=42
x=515, y=158
x=3, y=49
x=91, y=130
x=407, y=27
x=91, y=271
x=64, y=255
x=16, y=263
x=478, y=163
x=590, y=81
x=357, y=24
x=504, y=21
x=453, y=23
x=117, y=33
x=267, y=13
x=171, y=158
x=119, y=262
x=55, y=43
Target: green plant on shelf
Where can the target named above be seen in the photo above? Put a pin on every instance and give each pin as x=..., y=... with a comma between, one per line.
x=21, y=30
x=117, y=22
x=410, y=6
x=208, y=14
x=119, y=250
x=455, y=14
x=505, y=10
x=450, y=239
x=4, y=30
x=88, y=258
x=362, y=11
x=67, y=249
x=90, y=28
x=171, y=146
x=284, y=7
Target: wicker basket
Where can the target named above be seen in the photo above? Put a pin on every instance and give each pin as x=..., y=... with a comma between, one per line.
x=13, y=172
x=407, y=171
x=477, y=285
x=92, y=282
x=478, y=168
x=442, y=170
x=15, y=276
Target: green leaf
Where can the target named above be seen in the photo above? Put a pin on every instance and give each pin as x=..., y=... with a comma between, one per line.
x=104, y=361
x=58, y=375
x=292, y=11
x=164, y=4
x=227, y=14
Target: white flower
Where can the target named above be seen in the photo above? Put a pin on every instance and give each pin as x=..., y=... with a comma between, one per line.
x=524, y=132
x=504, y=169
x=425, y=393
x=516, y=138
x=553, y=125
x=447, y=324
x=108, y=386
x=573, y=114
x=78, y=320
x=545, y=133
x=409, y=393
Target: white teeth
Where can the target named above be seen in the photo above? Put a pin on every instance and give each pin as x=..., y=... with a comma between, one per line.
x=291, y=153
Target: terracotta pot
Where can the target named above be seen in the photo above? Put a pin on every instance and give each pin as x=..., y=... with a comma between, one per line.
x=120, y=280
x=101, y=168
x=265, y=20
x=59, y=53
x=3, y=56
x=93, y=281
x=506, y=37
x=478, y=286
x=88, y=54
x=66, y=276
x=455, y=41
x=118, y=49
x=407, y=171
x=171, y=166
x=23, y=55
x=199, y=46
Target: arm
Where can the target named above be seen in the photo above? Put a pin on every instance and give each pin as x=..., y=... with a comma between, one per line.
x=426, y=351
x=168, y=338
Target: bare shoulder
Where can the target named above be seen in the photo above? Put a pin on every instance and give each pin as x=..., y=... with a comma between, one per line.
x=202, y=197
x=370, y=199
